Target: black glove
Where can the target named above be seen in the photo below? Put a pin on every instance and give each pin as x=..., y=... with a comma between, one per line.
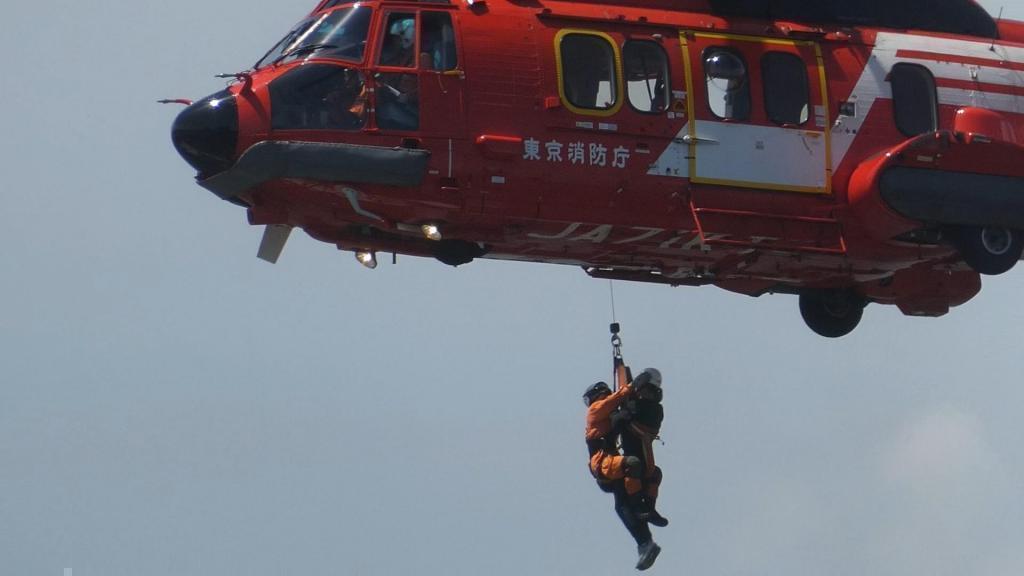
x=622, y=415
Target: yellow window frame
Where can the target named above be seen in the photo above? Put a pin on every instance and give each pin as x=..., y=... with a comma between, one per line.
x=617, y=54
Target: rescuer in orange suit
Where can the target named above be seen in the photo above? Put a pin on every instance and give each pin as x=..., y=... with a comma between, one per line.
x=638, y=435
x=611, y=469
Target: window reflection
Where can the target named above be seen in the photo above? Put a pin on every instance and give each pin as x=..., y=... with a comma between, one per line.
x=728, y=89
x=340, y=34
x=646, y=69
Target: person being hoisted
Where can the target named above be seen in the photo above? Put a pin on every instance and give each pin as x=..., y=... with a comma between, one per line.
x=613, y=471
x=637, y=438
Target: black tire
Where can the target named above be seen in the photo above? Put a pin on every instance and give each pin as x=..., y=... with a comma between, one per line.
x=989, y=251
x=457, y=252
x=832, y=314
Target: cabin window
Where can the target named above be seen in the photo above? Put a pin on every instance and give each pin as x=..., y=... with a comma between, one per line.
x=646, y=71
x=786, y=95
x=915, y=103
x=437, y=49
x=727, y=84
x=588, y=69
x=318, y=97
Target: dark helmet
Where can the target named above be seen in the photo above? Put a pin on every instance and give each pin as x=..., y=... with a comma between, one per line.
x=595, y=391
x=648, y=384
x=649, y=377
x=724, y=65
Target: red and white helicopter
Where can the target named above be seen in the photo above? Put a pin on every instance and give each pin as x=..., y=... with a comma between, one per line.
x=846, y=152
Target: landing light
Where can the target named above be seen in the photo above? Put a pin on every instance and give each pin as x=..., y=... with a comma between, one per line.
x=431, y=232
x=366, y=258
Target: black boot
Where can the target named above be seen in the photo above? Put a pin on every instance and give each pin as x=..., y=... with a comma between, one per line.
x=648, y=554
x=643, y=507
x=653, y=517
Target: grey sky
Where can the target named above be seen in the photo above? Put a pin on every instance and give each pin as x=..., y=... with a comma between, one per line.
x=170, y=405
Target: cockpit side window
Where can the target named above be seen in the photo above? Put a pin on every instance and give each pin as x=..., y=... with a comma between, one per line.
x=397, y=92
x=786, y=93
x=915, y=103
x=399, y=44
x=318, y=97
x=437, y=48
x=727, y=84
x=588, y=69
x=646, y=71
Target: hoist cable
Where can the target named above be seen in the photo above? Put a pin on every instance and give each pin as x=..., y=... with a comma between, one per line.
x=611, y=290
x=616, y=339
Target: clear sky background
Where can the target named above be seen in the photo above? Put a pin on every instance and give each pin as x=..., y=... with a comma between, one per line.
x=170, y=405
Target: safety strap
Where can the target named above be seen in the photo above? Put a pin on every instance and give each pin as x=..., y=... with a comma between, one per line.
x=644, y=434
x=622, y=375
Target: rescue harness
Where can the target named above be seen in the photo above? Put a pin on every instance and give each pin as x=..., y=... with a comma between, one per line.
x=617, y=362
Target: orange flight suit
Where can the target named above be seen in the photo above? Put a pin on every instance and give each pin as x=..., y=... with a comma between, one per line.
x=606, y=464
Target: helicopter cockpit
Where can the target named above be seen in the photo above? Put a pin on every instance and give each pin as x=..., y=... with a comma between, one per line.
x=349, y=67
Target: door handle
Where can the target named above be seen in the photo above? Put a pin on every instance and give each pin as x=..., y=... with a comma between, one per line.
x=696, y=140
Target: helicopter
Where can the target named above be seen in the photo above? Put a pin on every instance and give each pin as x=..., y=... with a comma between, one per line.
x=847, y=153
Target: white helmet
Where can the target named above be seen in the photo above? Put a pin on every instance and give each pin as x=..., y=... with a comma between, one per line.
x=405, y=30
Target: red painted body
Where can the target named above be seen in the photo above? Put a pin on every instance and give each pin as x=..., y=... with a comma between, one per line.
x=517, y=169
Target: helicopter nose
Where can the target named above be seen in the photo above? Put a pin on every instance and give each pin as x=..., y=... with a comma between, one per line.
x=206, y=133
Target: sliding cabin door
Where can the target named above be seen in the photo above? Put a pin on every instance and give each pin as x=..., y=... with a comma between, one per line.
x=759, y=114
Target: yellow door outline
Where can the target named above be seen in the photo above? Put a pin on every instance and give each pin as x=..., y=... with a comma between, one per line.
x=692, y=123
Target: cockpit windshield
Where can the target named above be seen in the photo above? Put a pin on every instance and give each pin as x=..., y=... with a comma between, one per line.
x=340, y=33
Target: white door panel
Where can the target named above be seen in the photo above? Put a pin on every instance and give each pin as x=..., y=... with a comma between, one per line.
x=760, y=156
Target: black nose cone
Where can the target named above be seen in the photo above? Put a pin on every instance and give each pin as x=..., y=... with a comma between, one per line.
x=206, y=133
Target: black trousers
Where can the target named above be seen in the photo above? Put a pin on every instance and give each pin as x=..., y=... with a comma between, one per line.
x=637, y=528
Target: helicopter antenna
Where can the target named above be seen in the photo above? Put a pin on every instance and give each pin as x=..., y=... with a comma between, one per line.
x=992, y=48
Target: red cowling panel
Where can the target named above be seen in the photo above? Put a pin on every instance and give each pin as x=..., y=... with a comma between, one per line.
x=979, y=122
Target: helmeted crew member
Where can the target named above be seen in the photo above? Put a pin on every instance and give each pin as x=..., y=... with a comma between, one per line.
x=611, y=469
x=399, y=47
x=638, y=436
x=398, y=94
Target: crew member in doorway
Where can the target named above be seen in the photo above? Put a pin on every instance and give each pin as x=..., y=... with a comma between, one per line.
x=638, y=434
x=610, y=468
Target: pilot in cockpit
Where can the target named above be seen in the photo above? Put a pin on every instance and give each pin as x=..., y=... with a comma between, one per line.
x=398, y=93
x=400, y=44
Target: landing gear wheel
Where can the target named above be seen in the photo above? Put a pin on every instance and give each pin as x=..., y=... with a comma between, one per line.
x=989, y=251
x=832, y=313
x=457, y=252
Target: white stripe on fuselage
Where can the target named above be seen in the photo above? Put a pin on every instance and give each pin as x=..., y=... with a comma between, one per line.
x=872, y=84
x=674, y=161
